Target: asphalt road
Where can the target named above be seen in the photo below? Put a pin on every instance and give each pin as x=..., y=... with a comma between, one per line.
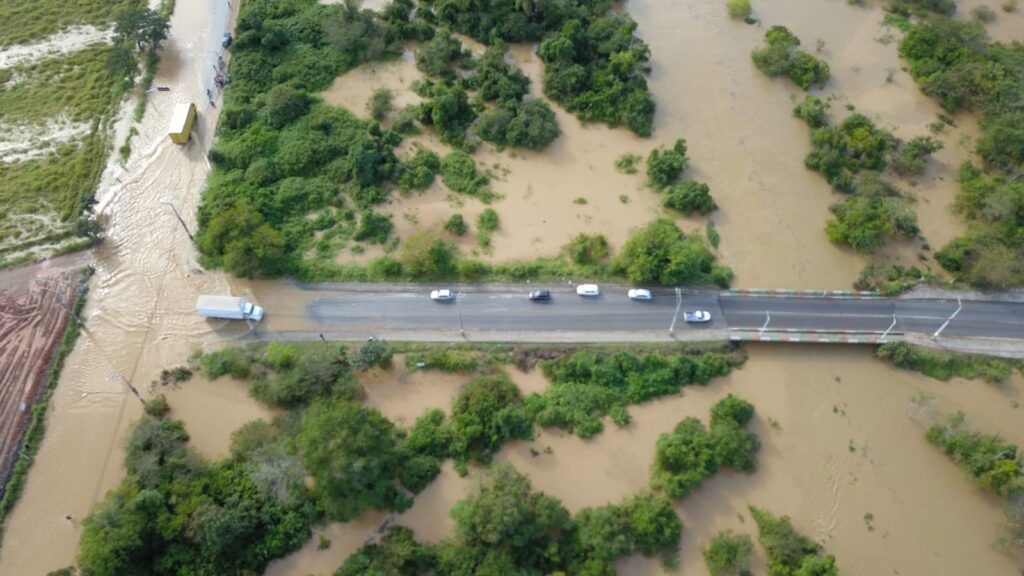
x=490, y=309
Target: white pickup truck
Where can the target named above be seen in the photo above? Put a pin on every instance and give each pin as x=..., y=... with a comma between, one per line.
x=228, y=308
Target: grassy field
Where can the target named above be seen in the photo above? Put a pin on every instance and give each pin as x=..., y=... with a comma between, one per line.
x=23, y=21
x=58, y=112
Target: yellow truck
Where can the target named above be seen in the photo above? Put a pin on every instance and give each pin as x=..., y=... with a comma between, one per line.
x=182, y=119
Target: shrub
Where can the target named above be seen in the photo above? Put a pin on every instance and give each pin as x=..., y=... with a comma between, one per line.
x=665, y=166
x=843, y=151
x=157, y=406
x=786, y=550
x=424, y=256
x=458, y=172
x=911, y=158
x=689, y=197
x=283, y=104
x=991, y=462
x=495, y=79
x=587, y=248
x=232, y=361
x=865, y=223
x=781, y=57
x=456, y=225
x=530, y=124
x=728, y=554
x=488, y=221
x=381, y=104
x=417, y=173
x=373, y=353
x=627, y=163
x=891, y=280
x=738, y=9
x=373, y=227
x=943, y=365
x=813, y=111
x=435, y=58
x=316, y=372
x=448, y=110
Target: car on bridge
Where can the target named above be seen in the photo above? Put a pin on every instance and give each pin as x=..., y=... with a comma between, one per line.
x=588, y=290
x=640, y=294
x=442, y=295
x=697, y=316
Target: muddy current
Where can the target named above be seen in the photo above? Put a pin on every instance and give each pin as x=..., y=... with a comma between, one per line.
x=848, y=434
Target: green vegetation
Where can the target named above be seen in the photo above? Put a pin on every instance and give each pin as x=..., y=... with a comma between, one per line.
x=781, y=57
x=585, y=249
x=787, y=551
x=990, y=461
x=381, y=104
x=922, y=7
x=689, y=197
x=665, y=166
x=867, y=220
x=24, y=21
x=36, y=429
x=728, y=554
x=954, y=62
x=456, y=225
x=738, y=9
x=991, y=255
x=175, y=512
x=689, y=454
x=661, y=253
x=891, y=280
x=458, y=172
x=841, y=152
x=504, y=527
x=418, y=172
x=910, y=161
x=943, y=365
x=486, y=414
x=813, y=111
x=627, y=163
x=589, y=384
x=530, y=124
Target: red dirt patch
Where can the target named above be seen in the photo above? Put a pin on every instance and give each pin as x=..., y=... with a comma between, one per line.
x=33, y=316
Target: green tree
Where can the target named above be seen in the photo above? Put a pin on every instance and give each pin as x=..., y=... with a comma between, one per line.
x=488, y=220
x=789, y=552
x=665, y=166
x=241, y=240
x=458, y=172
x=587, y=248
x=141, y=26
x=283, y=104
x=381, y=104
x=487, y=413
x=351, y=453
x=659, y=253
x=689, y=197
x=684, y=458
x=373, y=353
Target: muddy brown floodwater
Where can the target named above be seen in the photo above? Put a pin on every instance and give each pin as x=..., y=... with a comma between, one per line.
x=842, y=434
x=849, y=439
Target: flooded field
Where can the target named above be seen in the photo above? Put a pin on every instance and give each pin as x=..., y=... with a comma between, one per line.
x=849, y=435
x=842, y=434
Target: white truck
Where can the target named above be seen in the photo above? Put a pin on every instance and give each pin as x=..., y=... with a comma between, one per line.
x=228, y=307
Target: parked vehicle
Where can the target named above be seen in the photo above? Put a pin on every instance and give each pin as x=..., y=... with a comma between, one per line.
x=697, y=316
x=227, y=40
x=182, y=119
x=228, y=308
x=588, y=290
x=540, y=295
x=640, y=294
x=442, y=295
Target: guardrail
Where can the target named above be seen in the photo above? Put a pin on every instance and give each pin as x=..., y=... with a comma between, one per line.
x=845, y=294
x=802, y=336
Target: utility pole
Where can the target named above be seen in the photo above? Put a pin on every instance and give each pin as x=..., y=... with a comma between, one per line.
x=182, y=222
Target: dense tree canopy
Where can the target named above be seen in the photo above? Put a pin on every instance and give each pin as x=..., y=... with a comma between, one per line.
x=788, y=552
x=660, y=253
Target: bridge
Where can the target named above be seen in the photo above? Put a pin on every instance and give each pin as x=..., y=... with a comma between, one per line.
x=503, y=313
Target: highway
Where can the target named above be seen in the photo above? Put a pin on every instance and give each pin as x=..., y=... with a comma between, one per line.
x=505, y=309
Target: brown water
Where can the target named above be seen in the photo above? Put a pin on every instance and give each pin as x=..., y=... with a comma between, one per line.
x=929, y=519
x=848, y=440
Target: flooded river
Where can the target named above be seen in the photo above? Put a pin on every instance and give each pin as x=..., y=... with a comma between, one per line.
x=849, y=439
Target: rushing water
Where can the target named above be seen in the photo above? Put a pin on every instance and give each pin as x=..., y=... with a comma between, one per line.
x=850, y=435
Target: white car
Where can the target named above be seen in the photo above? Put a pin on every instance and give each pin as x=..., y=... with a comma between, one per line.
x=442, y=295
x=700, y=316
x=588, y=290
x=640, y=294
